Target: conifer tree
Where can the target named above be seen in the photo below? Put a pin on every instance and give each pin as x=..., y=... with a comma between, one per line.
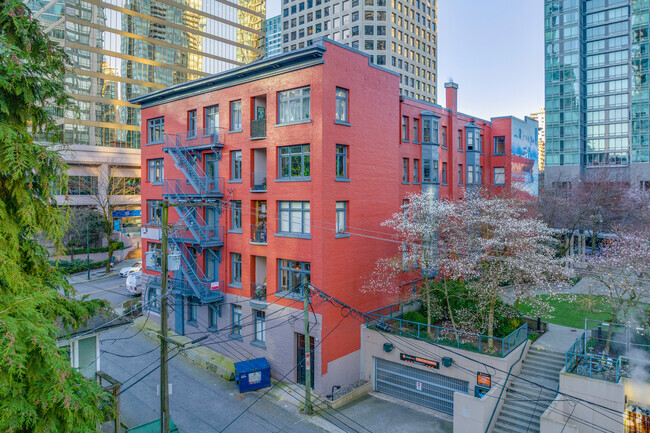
x=39, y=392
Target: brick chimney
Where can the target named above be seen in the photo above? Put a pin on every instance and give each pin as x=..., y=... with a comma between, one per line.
x=452, y=96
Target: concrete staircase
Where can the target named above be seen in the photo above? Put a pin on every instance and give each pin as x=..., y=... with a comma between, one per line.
x=522, y=409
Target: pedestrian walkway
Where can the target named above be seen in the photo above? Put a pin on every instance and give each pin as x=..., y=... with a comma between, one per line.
x=557, y=338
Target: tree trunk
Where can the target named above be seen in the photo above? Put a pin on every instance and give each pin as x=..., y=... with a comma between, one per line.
x=110, y=252
x=493, y=301
x=610, y=333
x=449, y=310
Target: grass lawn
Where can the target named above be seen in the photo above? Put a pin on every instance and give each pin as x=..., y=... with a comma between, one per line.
x=567, y=312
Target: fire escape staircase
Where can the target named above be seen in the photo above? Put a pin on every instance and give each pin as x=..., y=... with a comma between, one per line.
x=191, y=229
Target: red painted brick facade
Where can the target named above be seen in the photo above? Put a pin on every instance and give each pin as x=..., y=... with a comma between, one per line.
x=373, y=191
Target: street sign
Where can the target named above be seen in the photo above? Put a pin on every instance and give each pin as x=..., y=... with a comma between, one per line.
x=420, y=361
x=418, y=386
x=484, y=379
x=126, y=213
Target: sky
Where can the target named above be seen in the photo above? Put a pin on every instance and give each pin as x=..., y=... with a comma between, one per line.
x=493, y=50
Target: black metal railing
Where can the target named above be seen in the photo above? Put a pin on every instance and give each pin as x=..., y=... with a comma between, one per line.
x=258, y=128
x=258, y=181
x=258, y=291
x=258, y=233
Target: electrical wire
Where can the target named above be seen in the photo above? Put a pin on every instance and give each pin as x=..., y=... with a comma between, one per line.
x=369, y=318
x=283, y=378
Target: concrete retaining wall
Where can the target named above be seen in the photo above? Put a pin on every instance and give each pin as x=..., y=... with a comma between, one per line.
x=471, y=414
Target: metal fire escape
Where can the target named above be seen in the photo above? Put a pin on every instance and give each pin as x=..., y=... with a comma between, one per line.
x=192, y=235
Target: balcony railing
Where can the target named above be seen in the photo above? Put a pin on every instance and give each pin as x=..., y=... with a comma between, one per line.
x=202, y=137
x=258, y=233
x=387, y=320
x=258, y=291
x=258, y=181
x=180, y=188
x=604, y=367
x=258, y=128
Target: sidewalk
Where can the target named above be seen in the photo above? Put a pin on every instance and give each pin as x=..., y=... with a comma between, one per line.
x=557, y=339
x=376, y=412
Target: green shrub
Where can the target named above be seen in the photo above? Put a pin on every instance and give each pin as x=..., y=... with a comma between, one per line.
x=77, y=265
x=415, y=316
x=116, y=246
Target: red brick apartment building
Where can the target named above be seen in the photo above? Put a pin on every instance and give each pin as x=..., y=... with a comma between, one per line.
x=298, y=159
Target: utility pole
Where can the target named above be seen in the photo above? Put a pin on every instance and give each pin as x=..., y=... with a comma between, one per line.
x=164, y=381
x=87, y=251
x=308, y=408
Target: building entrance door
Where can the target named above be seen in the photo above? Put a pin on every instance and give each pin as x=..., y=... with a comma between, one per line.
x=300, y=359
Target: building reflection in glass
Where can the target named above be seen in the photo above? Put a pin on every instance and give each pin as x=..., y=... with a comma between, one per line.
x=121, y=49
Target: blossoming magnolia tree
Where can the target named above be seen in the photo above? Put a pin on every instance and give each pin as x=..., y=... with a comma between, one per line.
x=619, y=272
x=485, y=241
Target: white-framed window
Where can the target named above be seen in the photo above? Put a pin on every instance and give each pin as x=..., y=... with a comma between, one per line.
x=341, y=105
x=235, y=116
x=156, y=129
x=499, y=175
x=293, y=105
x=294, y=217
x=341, y=217
x=470, y=173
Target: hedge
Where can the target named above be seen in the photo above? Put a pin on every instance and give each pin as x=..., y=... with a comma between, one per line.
x=77, y=266
x=116, y=246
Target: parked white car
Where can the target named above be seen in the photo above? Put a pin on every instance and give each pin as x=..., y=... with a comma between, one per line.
x=136, y=283
x=124, y=272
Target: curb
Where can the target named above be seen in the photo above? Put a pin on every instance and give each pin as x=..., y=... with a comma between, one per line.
x=201, y=356
x=102, y=277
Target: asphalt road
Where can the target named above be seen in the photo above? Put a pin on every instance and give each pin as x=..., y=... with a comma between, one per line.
x=112, y=289
x=201, y=402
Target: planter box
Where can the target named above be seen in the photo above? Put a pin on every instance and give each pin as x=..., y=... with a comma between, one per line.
x=350, y=396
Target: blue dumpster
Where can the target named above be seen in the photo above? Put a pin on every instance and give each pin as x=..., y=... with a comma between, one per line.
x=253, y=374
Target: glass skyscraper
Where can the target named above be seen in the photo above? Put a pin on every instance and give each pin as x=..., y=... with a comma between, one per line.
x=121, y=49
x=399, y=35
x=597, y=100
x=273, y=36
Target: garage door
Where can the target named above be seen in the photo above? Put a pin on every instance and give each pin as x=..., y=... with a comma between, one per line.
x=421, y=387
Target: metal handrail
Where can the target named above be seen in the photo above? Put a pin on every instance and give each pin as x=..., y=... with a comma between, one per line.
x=508, y=343
x=202, y=137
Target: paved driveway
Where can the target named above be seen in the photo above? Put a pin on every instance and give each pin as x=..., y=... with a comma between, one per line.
x=383, y=414
x=201, y=402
